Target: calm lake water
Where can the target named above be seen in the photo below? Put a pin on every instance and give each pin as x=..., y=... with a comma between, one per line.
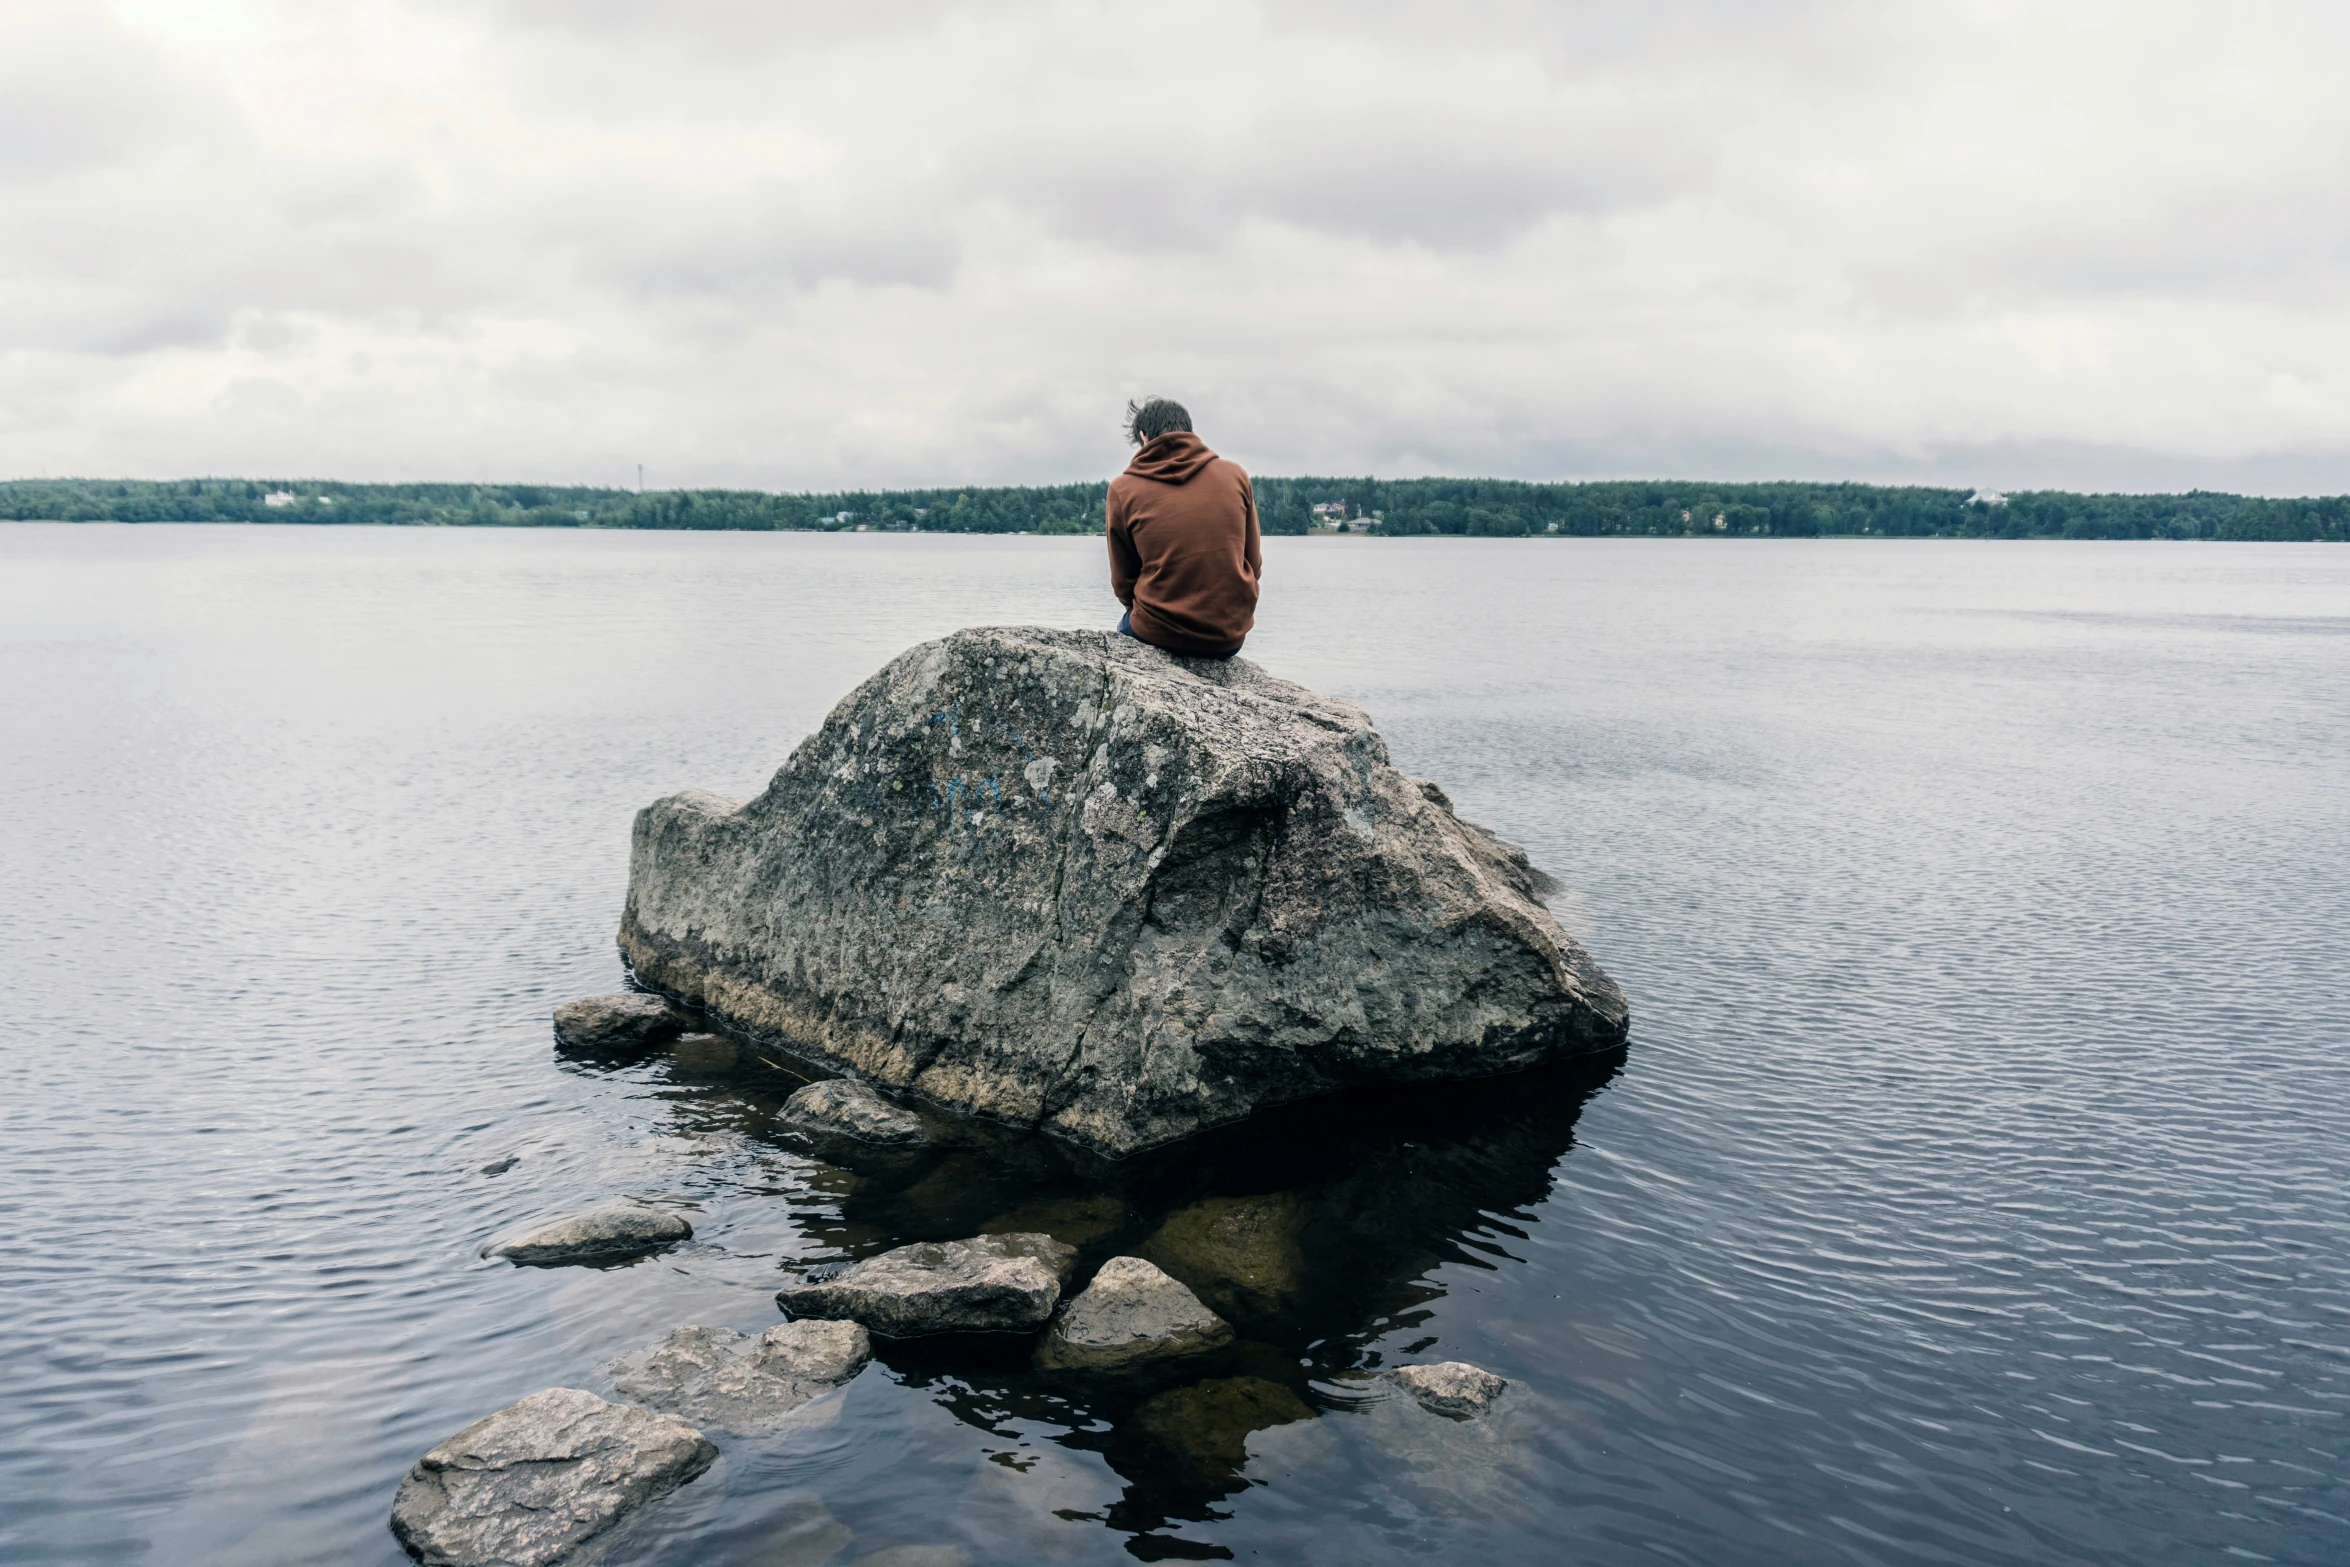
x=1972, y=1191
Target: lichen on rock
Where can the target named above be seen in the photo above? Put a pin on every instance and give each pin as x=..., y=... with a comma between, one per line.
x=1066, y=880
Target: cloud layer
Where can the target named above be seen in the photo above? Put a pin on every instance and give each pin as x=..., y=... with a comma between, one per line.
x=808, y=245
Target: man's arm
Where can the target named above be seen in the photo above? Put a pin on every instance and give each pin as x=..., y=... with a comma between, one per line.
x=1125, y=564
x=1256, y=543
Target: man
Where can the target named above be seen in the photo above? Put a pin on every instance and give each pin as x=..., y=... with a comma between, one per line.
x=1184, y=552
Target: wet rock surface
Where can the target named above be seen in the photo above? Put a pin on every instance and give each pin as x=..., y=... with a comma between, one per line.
x=1067, y=880
x=603, y=1234
x=1130, y=1315
x=991, y=1283
x=847, y=1108
x=735, y=1382
x=1452, y=1387
x=530, y=1484
x=616, y=1024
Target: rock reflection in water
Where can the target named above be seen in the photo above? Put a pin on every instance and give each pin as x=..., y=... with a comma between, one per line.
x=1313, y=1230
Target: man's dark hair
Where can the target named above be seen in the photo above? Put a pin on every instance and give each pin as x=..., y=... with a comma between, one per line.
x=1148, y=420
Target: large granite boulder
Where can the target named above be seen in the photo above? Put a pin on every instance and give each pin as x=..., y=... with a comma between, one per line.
x=989, y=1284
x=531, y=1483
x=1067, y=880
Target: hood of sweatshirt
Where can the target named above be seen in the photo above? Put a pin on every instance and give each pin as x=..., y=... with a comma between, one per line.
x=1173, y=458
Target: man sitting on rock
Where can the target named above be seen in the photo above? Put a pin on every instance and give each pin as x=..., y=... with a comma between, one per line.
x=1184, y=552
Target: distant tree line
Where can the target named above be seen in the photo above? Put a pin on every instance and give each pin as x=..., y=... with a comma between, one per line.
x=1476, y=508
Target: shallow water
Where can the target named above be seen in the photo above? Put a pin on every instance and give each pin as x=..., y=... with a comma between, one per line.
x=1972, y=1189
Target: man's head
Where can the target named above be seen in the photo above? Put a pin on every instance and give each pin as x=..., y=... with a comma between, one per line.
x=1148, y=420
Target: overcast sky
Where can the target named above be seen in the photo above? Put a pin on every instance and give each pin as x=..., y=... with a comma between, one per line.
x=790, y=245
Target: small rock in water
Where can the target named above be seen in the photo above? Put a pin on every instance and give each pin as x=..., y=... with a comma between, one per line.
x=851, y=1109
x=630, y=1020
x=993, y=1283
x=501, y=1166
x=614, y=1230
x=731, y=1381
x=531, y=1483
x=1452, y=1387
x=1129, y=1315
x=813, y=1350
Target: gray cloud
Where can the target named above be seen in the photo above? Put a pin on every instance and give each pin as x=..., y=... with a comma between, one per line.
x=808, y=244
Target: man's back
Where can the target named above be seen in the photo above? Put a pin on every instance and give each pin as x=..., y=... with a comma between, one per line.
x=1185, y=557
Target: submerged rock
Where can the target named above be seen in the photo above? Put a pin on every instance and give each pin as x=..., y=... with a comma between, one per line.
x=992, y=1283
x=628, y=1021
x=1455, y=1442
x=730, y=1381
x=710, y=1054
x=1073, y=1221
x=1067, y=880
x=598, y=1235
x=1451, y=1387
x=531, y=1483
x=1205, y=1427
x=851, y=1109
x=1239, y=1254
x=1131, y=1314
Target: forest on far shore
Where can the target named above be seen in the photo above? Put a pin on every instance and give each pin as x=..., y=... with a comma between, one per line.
x=1477, y=508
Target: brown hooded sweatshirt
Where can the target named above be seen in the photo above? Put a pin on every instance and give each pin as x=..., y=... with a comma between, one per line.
x=1184, y=551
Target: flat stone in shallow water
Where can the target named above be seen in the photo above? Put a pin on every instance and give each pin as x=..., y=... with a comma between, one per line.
x=1151, y=895
x=1451, y=1387
x=600, y=1234
x=629, y=1020
x=851, y=1109
x=533, y=1482
x=993, y=1283
x=1130, y=1315
x=729, y=1381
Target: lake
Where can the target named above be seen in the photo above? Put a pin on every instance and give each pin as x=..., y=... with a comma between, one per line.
x=1972, y=1189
